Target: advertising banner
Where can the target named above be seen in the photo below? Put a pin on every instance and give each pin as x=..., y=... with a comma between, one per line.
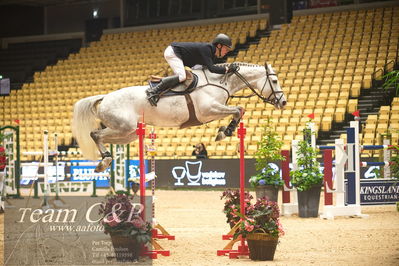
x=379, y=192
x=215, y=173
x=68, y=188
x=86, y=173
x=80, y=232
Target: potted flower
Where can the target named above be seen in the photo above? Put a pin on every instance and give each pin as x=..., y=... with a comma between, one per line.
x=262, y=228
x=232, y=205
x=128, y=231
x=307, y=179
x=268, y=181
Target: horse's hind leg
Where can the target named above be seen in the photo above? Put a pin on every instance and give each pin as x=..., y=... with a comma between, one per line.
x=109, y=135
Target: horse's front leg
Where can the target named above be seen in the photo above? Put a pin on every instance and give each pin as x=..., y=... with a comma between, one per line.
x=220, y=111
x=224, y=132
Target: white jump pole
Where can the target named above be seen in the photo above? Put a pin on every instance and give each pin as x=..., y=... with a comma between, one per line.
x=45, y=161
x=56, y=166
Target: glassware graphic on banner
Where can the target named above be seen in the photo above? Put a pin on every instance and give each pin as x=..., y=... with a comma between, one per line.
x=194, y=172
x=179, y=172
x=195, y=175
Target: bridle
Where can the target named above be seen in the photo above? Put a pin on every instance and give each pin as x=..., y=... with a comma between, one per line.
x=272, y=98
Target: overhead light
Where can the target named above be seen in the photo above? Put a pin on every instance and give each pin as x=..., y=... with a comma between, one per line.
x=95, y=13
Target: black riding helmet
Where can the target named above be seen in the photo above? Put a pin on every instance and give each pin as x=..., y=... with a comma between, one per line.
x=222, y=39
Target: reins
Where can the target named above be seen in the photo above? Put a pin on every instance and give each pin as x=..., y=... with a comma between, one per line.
x=273, y=101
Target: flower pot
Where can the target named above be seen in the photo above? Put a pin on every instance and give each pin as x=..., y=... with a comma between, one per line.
x=308, y=202
x=261, y=246
x=270, y=191
x=126, y=248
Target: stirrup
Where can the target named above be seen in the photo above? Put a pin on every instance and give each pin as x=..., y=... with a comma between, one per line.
x=153, y=99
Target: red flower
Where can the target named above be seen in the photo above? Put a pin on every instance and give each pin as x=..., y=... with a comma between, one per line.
x=112, y=219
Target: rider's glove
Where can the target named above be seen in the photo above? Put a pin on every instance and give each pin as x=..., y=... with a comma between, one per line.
x=232, y=68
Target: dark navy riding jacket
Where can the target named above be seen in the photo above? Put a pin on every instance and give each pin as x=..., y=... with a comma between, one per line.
x=197, y=53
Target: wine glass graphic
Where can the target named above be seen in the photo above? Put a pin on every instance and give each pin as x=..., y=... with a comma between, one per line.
x=194, y=172
x=176, y=175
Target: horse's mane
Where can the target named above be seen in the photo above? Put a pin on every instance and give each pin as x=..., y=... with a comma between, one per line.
x=240, y=64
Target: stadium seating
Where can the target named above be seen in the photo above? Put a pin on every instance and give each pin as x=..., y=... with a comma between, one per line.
x=323, y=61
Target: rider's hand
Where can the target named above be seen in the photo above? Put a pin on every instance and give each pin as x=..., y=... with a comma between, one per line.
x=232, y=68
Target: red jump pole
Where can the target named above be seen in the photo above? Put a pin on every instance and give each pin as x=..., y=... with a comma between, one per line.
x=328, y=184
x=242, y=247
x=241, y=134
x=140, y=131
x=285, y=172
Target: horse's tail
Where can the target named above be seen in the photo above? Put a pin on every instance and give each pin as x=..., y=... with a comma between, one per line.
x=84, y=121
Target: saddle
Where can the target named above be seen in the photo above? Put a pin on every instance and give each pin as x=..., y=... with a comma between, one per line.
x=183, y=88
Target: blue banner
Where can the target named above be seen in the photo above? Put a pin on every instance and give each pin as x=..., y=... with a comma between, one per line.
x=86, y=173
x=133, y=169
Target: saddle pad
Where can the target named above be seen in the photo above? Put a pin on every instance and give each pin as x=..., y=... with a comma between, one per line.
x=180, y=89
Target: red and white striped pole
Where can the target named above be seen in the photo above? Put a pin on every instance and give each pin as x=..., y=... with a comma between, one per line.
x=140, y=131
x=153, y=136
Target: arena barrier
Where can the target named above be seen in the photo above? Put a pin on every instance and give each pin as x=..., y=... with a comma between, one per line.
x=242, y=249
x=10, y=177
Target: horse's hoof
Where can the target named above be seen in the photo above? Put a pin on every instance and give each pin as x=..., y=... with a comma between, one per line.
x=220, y=136
x=228, y=132
x=103, y=165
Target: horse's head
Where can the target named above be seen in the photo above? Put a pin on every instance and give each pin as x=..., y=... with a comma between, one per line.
x=263, y=82
x=271, y=89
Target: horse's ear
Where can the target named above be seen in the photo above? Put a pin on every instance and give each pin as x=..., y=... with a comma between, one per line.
x=266, y=67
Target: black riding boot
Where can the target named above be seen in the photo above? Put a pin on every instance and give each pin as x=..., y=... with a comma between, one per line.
x=166, y=83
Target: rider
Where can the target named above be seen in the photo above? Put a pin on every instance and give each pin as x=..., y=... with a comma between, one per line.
x=180, y=54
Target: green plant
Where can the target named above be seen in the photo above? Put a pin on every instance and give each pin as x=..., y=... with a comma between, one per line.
x=394, y=163
x=377, y=172
x=308, y=173
x=392, y=79
x=120, y=217
x=262, y=217
x=269, y=148
x=232, y=204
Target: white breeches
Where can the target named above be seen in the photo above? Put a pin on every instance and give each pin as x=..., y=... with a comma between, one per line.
x=175, y=63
